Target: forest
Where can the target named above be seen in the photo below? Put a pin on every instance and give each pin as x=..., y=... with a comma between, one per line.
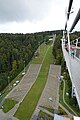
x=18, y=49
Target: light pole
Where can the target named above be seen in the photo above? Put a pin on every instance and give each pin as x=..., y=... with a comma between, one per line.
x=24, y=67
x=39, y=47
x=9, y=82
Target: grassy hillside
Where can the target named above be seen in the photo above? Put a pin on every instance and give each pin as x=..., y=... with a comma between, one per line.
x=28, y=105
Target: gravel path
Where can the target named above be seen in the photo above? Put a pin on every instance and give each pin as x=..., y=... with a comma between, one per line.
x=27, y=81
x=21, y=90
x=51, y=90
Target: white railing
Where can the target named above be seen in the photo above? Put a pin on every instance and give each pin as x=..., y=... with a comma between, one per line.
x=73, y=65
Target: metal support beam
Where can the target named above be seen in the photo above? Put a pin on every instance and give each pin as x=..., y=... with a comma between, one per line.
x=76, y=20
x=68, y=13
x=69, y=8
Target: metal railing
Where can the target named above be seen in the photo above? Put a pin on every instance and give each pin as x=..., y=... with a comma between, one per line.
x=73, y=65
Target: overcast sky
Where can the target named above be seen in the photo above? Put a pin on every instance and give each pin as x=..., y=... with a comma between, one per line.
x=26, y=16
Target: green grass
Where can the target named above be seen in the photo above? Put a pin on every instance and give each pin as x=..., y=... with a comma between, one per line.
x=66, y=99
x=8, y=88
x=8, y=104
x=28, y=105
x=49, y=109
x=61, y=111
x=44, y=115
x=61, y=97
x=39, y=58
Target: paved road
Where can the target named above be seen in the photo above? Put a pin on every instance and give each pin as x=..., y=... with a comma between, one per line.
x=65, y=101
x=4, y=116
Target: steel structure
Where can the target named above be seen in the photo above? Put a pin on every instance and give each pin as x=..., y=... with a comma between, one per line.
x=73, y=64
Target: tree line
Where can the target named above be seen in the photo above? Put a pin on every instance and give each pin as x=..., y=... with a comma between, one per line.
x=15, y=49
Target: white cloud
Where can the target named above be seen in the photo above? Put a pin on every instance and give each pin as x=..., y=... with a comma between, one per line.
x=23, y=16
x=21, y=10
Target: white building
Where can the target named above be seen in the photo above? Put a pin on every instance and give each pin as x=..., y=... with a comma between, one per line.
x=76, y=118
x=58, y=117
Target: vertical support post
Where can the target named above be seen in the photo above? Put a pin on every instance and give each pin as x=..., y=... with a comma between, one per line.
x=70, y=63
x=63, y=38
x=9, y=82
x=76, y=42
x=68, y=39
x=63, y=35
x=24, y=66
x=73, y=90
x=39, y=47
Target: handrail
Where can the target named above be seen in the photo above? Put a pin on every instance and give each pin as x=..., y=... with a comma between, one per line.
x=77, y=59
x=69, y=8
x=73, y=65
